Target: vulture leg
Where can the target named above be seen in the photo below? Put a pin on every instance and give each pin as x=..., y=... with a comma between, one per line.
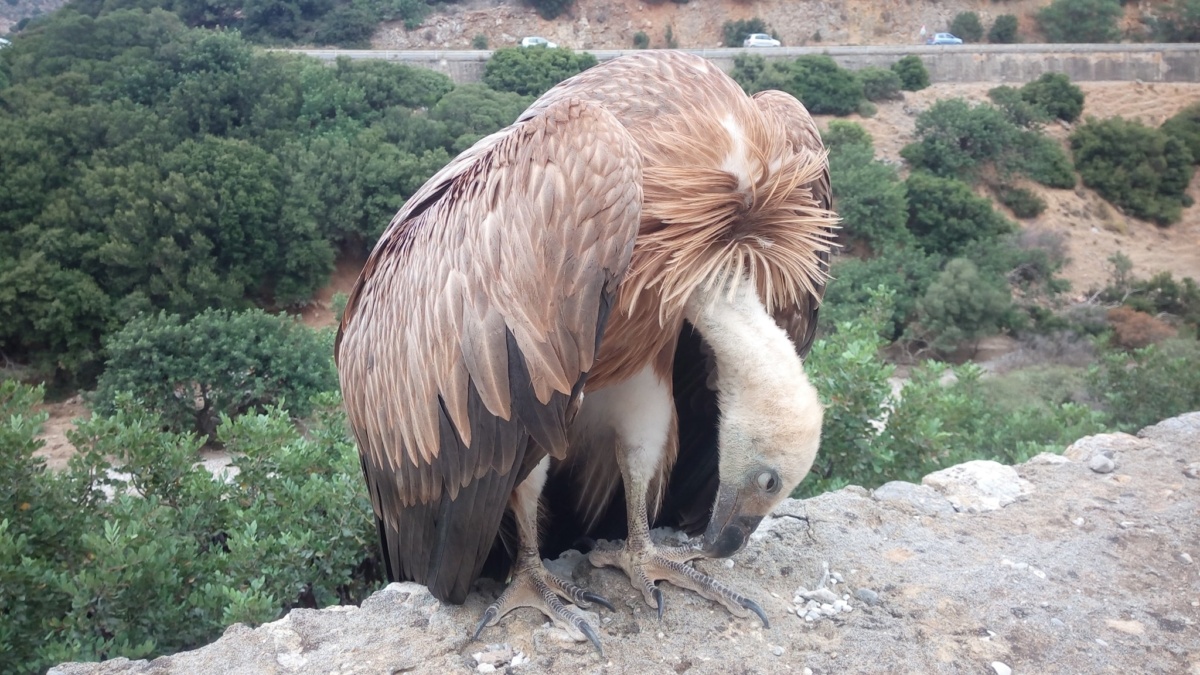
x=531, y=584
x=646, y=563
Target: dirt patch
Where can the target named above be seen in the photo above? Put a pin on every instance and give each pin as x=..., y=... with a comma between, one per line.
x=56, y=449
x=319, y=313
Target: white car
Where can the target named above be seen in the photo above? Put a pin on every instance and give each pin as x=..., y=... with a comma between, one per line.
x=537, y=42
x=760, y=40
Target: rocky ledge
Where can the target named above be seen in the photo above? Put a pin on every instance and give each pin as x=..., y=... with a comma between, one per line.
x=1083, y=563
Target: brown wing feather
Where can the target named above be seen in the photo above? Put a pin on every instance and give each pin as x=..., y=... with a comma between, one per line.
x=472, y=327
x=800, y=319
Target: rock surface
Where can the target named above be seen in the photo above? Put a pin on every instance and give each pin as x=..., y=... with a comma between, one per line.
x=1084, y=572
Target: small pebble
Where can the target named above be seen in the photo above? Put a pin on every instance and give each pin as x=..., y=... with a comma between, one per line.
x=1078, y=521
x=485, y=668
x=1185, y=558
x=1101, y=464
x=807, y=671
x=837, y=577
x=1192, y=470
x=1001, y=669
x=1038, y=573
x=728, y=563
x=777, y=651
x=808, y=617
x=845, y=596
x=868, y=596
x=1057, y=623
x=791, y=609
x=1020, y=566
x=1100, y=642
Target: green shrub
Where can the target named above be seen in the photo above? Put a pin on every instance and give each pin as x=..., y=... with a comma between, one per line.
x=1149, y=384
x=966, y=25
x=912, y=72
x=1178, y=21
x=961, y=306
x=733, y=33
x=907, y=271
x=479, y=42
x=880, y=84
x=550, y=9
x=954, y=138
x=1084, y=21
x=530, y=72
x=1003, y=30
x=1185, y=126
x=1024, y=203
x=869, y=197
x=170, y=556
x=1142, y=170
x=821, y=84
x=945, y=215
x=842, y=134
x=641, y=40
x=1054, y=93
x=866, y=108
x=219, y=363
x=669, y=36
x=1042, y=159
x=1018, y=110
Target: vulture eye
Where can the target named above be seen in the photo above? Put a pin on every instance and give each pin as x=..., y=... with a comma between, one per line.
x=768, y=481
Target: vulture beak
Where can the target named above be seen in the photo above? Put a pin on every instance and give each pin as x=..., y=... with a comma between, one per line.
x=728, y=530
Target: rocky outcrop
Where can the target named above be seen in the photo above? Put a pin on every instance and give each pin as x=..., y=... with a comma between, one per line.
x=1083, y=563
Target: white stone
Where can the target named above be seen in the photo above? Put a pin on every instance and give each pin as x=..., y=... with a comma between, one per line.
x=980, y=485
x=1001, y=668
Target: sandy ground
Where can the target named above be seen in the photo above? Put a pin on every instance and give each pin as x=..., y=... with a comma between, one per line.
x=1093, y=230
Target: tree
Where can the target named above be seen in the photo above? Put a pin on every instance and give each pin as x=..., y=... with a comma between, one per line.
x=1140, y=169
x=1085, y=21
x=961, y=306
x=880, y=84
x=966, y=25
x=1178, y=21
x=912, y=72
x=472, y=111
x=219, y=363
x=869, y=197
x=956, y=138
x=1003, y=30
x=1185, y=126
x=945, y=215
x=1054, y=93
x=530, y=72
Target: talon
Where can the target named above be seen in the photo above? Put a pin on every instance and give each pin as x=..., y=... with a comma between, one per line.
x=488, y=615
x=658, y=598
x=599, y=600
x=587, y=630
x=754, y=607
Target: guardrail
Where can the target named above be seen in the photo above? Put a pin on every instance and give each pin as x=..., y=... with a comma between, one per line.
x=946, y=63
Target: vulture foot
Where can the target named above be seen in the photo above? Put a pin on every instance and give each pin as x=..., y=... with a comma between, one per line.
x=533, y=586
x=647, y=564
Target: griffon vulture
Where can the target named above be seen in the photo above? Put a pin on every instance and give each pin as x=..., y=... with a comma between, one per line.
x=612, y=295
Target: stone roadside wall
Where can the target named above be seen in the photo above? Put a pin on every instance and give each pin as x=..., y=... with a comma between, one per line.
x=960, y=63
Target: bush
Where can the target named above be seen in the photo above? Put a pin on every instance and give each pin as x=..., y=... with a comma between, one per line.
x=219, y=363
x=869, y=197
x=966, y=25
x=735, y=32
x=1185, y=126
x=841, y=134
x=170, y=556
x=1022, y=202
x=531, y=72
x=1054, y=93
x=1003, y=30
x=1082, y=21
x=880, y=84
x=1142, y=170
x=479, y=42
x=912, y=72
x=550, y=9
x=1019, y=111
x=1041, y=159
x=1133, y=329
x=641, y=40
x=907, y=271
x=961, y=306
x=1149, y=384
x=946, y=216
x=821, y=84
x=955, y=138
x=1178, y=21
